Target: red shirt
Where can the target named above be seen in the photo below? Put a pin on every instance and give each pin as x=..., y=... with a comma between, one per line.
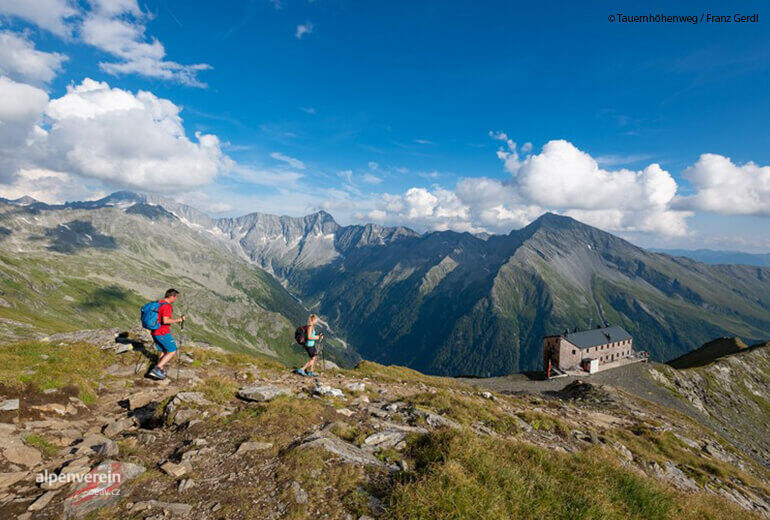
x=165, y=310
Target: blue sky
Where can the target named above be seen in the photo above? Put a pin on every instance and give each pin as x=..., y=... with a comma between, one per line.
x=392, y=112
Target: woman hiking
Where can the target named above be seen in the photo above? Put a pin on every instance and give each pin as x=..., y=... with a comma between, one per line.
x=310, y=346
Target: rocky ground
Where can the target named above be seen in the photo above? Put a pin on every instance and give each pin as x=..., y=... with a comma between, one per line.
x=729, y=395
x=232, y=437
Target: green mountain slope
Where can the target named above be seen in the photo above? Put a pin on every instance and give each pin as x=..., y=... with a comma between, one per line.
x=451, y=303
x=65, y=269
x=733, y=390
x=709, y=353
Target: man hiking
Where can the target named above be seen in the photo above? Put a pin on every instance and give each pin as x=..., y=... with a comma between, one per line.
x=310, y=346
x=161, y=336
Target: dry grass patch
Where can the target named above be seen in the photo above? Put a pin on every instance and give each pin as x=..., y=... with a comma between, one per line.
x=218, y=389
x=462, y=476
x=331, y=485
x=466, y=409
x=46, y=366
x=281, y=419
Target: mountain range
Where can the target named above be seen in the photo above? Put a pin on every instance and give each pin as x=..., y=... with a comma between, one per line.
x=441, y=302
x=710, y=256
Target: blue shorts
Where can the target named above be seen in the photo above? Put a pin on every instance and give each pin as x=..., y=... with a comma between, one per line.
x=165, y=343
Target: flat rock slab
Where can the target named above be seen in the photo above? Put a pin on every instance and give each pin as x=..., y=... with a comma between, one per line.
x=50, y=408
x=91, y=444
x=175, y=508
x=100, y=487
x=186, y=415
x=195, y=398
x=9, y=479
x=23, y=456
x=42, y=501
x=118, y=426
x=327, y=390
x=385, y=438
x=139, y=400
x=356, y=387
x=262, y=393
x=192, y=397
x=176, y=470
x=344, y=450
x=389, y=425
x=435, y=420
x=9, y=405
x=253, y=446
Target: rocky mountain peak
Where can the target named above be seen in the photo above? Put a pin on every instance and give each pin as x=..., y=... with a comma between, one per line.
x=26, y=200
x=124, y=196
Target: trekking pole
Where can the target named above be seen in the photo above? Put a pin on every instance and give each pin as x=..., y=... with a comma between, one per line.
x=323, y=355
x=179, y=356
x=138, y=361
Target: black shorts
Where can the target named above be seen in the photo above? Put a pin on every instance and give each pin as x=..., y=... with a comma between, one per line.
x=311, y=351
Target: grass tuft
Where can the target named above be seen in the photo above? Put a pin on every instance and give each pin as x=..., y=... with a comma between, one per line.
x=42, y=444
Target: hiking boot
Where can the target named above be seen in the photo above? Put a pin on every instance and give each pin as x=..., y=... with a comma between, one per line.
x=301, y=372
x=312, y=374
x=157, y=373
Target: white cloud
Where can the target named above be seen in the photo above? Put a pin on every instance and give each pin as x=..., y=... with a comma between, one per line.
x=438, y=209
x=117, y=27
x=721, y=186
x=21, y=106
x=133, y=140
x=620, y=160
x=303, y=29
x=347, y=175
x=203, y=201
x=19, y=59
x=291, y=161
x=563, y=178
x=107, y=134
x=49, y=186
x=264, y=177
x=432, y=175
x=373, y=165
x=51, y=15
x=371, y=179
x=560, y=178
